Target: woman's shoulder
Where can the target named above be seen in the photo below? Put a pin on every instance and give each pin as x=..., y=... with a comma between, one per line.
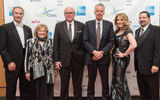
x=31, y=40
x=127, y=32
x=50, y=41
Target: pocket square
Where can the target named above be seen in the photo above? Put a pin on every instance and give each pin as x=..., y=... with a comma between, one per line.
x=78, y=31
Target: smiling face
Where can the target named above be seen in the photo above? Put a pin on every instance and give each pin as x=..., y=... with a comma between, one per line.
x=18, y=14
x=119, y=22
x=42, y=33
x=144, y=20
x=99, y=12
x=69, y=14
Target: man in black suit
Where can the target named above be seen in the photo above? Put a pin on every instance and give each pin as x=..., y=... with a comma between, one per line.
x=69, y=53
x=98, y=38
x=13, y=37
x=147, y=58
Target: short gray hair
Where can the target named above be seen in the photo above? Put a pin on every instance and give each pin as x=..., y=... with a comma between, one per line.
x=100, y=4
x=17, y=7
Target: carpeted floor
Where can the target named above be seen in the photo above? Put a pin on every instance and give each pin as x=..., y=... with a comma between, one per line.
x=57, y=98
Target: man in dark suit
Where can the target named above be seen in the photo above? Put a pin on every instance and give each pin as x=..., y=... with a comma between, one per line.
x=147, y=58
x=98, y=38
x=12, y=47
x=69, y=53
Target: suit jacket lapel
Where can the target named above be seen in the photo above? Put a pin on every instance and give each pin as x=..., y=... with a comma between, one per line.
x=15, y=32
x=143, y=37
x=75, y=29
x=25, y=34
x=65, y=29
x=94, y=28
x=103, y=32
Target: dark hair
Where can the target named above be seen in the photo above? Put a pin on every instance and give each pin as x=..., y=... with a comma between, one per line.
x=148, y=14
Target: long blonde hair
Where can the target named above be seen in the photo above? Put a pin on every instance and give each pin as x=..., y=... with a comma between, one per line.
x=125, y=20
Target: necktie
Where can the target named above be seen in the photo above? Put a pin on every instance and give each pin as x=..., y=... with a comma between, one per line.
x=141, y=32
x=98, y=35
x=70, y=32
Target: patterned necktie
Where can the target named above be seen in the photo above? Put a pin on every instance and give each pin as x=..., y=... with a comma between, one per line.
x=70, y=32
x=98, y=35
x=141, y=32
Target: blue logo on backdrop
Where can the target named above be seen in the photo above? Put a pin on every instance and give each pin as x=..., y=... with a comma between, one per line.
x=115, y=11
x=50, y=35
x=47, y=13
x=81, y=11
x=150, y=9
x=10, y=11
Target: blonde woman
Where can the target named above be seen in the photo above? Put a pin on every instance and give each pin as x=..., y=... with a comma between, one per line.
x=124, y=45
x=39, y=67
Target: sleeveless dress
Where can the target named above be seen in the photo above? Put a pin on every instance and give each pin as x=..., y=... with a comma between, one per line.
x=119, y=87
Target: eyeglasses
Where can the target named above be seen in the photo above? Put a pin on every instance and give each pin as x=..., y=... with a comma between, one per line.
x=67, y=13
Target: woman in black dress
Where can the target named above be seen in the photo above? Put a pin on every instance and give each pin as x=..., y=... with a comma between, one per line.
x=39, y=68
x=124, y=45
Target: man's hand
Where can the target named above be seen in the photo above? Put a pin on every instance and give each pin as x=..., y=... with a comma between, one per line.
x=97, y=55
x=154, y=69
x=58, y=65
x=28, y=75
x=12, y=66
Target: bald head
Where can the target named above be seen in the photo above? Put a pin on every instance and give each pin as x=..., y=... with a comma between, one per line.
x=69, y=13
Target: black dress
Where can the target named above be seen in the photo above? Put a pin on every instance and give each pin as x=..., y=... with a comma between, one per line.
x=41, y=86
x=119, y=88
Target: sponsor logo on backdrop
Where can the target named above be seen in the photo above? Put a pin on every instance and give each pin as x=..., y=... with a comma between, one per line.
x=150, y=9
x=60, y=2
x=115, y=11
x=136, y=26
x=35, y=21
x=81, y=11
x=10, y=11
x=129, y=2
x=50, y=35
x=47, y=13
x=35, y=0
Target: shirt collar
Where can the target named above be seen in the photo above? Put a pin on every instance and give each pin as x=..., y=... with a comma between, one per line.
x=145, y=27
x=70, y=23
x=99, y=22
x=17, y=24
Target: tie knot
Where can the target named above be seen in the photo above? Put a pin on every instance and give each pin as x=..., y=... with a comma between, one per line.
x=141, y=32
x=142, y=29
x=20, y=25
x=98, y=23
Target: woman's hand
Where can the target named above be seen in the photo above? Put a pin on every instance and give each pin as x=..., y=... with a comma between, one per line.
x=120, y=54
x=28, y=76
x=55, y=73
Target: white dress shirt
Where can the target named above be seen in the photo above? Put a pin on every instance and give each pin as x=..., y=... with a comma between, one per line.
x=20, y=31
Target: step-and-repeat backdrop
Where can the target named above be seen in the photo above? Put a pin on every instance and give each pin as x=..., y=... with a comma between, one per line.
x=52, y=11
